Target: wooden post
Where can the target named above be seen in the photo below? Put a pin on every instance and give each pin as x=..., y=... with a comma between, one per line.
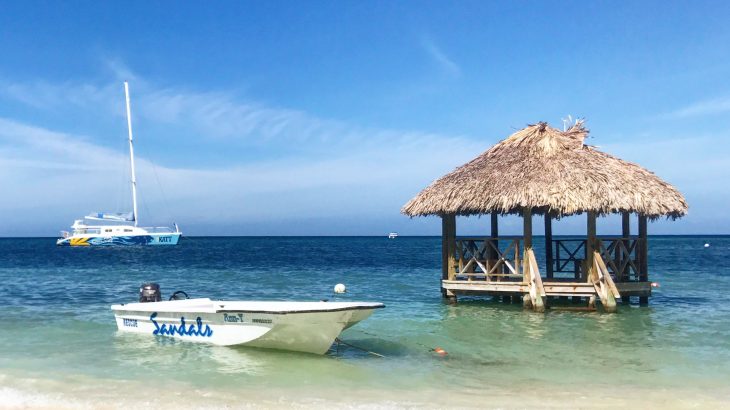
x=548, y=246
x=494, y=233
x=626, y=235
x=527, y=240
x=590, y=245
x=527, y=224
x=644, y=256
x=444, y=253
x=448, y=246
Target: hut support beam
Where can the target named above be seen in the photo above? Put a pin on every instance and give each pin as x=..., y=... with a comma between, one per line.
x=535, y=297
x=548, y=245
x=644, y=256
x=626, y=235
x=494, y=234
x=590, y=246
x=448, y=247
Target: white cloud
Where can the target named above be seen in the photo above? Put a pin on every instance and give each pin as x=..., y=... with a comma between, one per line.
x=341, y=171
x=702, y=108
x=438, y=55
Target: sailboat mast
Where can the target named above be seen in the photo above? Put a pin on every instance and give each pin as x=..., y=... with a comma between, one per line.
x=131, y=155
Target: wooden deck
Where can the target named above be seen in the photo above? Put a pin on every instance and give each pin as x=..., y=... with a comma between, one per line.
x=552, y=288
x=606, y=270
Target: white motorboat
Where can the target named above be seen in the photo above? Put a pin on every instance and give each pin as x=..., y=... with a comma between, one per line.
x=299, y=326
x=116, y=229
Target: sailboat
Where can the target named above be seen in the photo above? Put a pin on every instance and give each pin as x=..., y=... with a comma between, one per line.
x=110, y=229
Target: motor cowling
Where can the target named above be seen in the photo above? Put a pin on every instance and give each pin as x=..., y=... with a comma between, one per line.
x=150, y=292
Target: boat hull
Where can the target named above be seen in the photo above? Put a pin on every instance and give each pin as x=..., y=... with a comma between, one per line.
x=100, y=240
x=295, y=326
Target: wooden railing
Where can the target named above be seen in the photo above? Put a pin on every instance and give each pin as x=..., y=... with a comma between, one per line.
x=569, y=256
x=499, y=259
x=488, y=259
x=622, y=258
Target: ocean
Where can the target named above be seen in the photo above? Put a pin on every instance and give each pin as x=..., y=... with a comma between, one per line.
x=59, y=346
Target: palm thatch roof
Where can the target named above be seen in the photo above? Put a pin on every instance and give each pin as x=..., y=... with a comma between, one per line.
x=548, y=170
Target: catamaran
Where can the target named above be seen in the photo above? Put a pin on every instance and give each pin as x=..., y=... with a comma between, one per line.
x=119, y=228
x=309, y=327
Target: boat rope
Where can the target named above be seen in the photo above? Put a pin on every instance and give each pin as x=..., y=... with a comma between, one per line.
x=338, y=340
x=437, y=350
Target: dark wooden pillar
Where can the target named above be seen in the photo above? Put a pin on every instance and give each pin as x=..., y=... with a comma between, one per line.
x=448, y=246
x=590, y=244
x=644, y=256
x=527, y=225
x=494, y=234
x=626, y=239
x=548, y=245
x=527, y=239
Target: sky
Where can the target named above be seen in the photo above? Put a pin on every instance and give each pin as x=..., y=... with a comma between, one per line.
x=325, y=118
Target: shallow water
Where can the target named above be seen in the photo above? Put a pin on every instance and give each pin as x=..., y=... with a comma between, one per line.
x=59, y=343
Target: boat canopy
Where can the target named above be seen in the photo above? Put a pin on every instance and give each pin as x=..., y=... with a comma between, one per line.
x=108, y=216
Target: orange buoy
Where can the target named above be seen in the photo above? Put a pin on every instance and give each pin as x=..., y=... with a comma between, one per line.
x=440, y=351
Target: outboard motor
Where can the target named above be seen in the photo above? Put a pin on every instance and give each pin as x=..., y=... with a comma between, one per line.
x=150, y=292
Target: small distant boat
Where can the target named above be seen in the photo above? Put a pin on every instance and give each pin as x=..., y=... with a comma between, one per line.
x=392, y=235
x=119, y=228
x=309, y=327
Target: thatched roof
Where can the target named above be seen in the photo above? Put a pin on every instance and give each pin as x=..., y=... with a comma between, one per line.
x=548, y=170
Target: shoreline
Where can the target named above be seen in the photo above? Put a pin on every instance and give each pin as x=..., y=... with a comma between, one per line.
x=33, y=393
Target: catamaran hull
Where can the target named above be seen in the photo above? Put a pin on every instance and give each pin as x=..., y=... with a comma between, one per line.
x=99, y=240
x=303, y=331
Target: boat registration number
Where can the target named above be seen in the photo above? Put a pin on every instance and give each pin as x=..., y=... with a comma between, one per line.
x=129, y=322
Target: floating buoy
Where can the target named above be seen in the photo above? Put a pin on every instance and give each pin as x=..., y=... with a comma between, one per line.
x=439, y=351
x=707, y=245
x=655, y=284
x=340, y=288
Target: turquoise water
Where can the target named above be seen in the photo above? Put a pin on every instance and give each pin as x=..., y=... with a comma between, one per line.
x=59, y=342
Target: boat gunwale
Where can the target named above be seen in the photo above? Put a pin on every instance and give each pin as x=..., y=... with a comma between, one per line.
x=200, y=309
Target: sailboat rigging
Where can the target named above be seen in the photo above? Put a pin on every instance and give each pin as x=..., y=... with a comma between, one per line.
x=117, y=230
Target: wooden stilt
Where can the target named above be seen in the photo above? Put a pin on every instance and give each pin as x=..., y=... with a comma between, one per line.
x=494, y=234
x=448, y=248
x=644, y=256
x=526, y=301
x=530, y=271
x=626, y=237
x=548, y=246
x=643, y=249
x=590, y=246
x=527, y=227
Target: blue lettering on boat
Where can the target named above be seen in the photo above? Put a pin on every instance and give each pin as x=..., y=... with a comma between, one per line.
x=182, y=329
x=130, y=322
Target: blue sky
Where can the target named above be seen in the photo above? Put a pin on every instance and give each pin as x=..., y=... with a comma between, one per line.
x=324, y=118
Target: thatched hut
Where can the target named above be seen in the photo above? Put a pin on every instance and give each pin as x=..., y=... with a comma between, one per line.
x=542, y=170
